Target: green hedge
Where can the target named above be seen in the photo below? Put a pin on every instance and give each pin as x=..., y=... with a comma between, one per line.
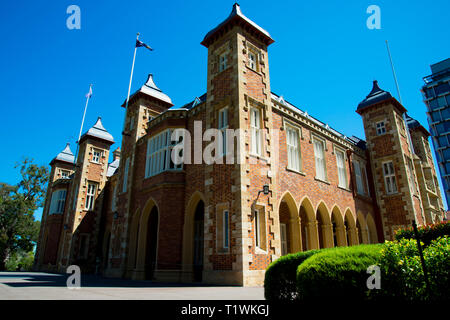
x=280, y=277
x=338, y=272
x=427, y=233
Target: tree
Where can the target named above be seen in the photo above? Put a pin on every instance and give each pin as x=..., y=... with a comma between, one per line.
x=18, y=229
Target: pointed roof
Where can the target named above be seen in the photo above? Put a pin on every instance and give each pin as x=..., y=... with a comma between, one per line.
x=413, y=124
x=376, y=96
x=112, y=167
x=150, y=89
x=236, y=16
x=66, y=155
x=98, y=131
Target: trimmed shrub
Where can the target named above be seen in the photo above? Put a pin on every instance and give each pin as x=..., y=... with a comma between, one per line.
x=402, y=276
x=338, y=272
x=280, y=277
x=427, y=233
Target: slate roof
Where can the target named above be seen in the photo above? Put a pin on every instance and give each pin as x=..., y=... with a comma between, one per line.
x=98, y=131
x=151, y=89
x=66, y=155
x=236, y=14
x=193, y=103
x=376, y=95
x=112, y=167
x=414, y=124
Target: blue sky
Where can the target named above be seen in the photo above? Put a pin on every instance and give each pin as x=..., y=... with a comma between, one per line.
x=324, y=60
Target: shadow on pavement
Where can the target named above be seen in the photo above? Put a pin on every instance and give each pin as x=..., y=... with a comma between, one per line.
x=30, y=279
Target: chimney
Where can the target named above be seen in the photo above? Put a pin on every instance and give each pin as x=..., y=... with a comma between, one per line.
x=116, y=154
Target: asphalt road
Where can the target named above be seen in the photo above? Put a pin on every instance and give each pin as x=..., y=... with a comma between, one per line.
x=47, y=286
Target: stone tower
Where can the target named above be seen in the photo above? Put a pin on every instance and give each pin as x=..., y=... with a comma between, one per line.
x=62, y=167
x=145, y=104
x=81, y=222
x=426, y=172
x=238, y=90
x=392, y=161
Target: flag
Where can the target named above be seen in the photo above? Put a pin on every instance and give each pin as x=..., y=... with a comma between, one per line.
x=141, y=44
x=89, y=94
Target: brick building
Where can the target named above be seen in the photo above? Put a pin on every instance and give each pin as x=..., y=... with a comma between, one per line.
x=295, y=183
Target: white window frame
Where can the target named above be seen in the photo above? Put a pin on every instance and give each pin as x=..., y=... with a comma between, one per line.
x=341, y=170
x=260, y=228
x=74, y=197
x=255, y=127
x=96, y=155
x=252, y=62
x=223, y=126
x=293, y=148
x=366, y=178
x=113, y=201
x=389, y=177
x=58, y=201
x=362, y=184
x=91, y=190
x=223, y=61
x=226, y=229
x=318, y=160
x=65, y=174
x=257, y=229
x=380, y=127
x=125, y=175
x=159, y=150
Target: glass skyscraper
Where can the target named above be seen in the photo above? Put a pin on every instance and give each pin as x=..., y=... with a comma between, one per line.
x=436, y=93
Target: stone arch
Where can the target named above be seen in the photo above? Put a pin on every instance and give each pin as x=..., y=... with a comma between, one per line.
x=188, y=235
x=350, y=228
x=361, y=227
x=147, y=240
x=308, y=225
x=371, y=229
x=324, y=226
x=290, y=233
x=338, y=228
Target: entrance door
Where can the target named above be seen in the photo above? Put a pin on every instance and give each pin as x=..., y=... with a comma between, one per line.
x=198, y=241
x=152, y=242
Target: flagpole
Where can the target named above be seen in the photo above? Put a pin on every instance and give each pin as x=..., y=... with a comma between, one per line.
x=400, y=98
x=131, y=79
x=82, y=121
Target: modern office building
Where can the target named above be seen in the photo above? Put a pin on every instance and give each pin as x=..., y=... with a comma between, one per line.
x=436, y=93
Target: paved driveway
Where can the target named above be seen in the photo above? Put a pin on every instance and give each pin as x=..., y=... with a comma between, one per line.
x=47, y=286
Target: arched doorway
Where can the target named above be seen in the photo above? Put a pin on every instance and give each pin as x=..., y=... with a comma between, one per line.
x=198, y=241
x=308, y=226
x=290, y=232
x=324, y=227
x=361, y=227
x=338, y=228
x=372, y=229
x=147, y=242
x=152, y=244
x=350, y=228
